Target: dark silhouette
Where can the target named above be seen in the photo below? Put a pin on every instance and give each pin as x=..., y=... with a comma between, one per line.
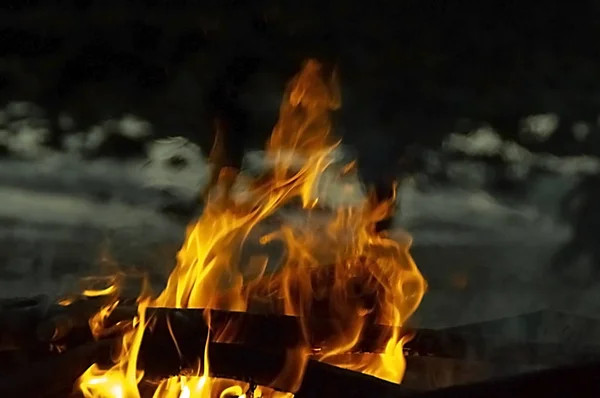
x=581, y=206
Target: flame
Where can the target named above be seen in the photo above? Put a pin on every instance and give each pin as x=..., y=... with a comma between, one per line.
x=120, y=381
x=338, y=270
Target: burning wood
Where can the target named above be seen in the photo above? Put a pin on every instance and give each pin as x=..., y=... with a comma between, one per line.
x=267, y=331
x=169, y=327
x=320, y=379
x=371, y=280
x=37, y=381
x=437, y=358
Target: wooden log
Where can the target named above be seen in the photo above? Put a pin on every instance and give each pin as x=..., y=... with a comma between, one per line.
x=164, y=353
x=160, y=358
x=69, y=326
x=262, y=367
x=55, y=376
x=270, y=331
x=277, y=332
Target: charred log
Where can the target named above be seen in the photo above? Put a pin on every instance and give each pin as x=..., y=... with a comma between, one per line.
x=56, y=377
x=269, y=341
x=68, y=326
x=258, y=330
x=233, y=361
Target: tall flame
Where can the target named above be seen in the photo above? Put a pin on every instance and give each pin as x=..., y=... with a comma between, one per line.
x=338, y=269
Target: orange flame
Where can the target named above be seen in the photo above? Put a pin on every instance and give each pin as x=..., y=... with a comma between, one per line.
x=338, y=269
x=120, y=381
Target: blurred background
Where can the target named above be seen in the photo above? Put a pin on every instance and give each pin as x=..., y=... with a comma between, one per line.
x=495, y=107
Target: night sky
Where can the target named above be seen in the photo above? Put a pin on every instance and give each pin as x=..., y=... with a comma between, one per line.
x=410, y=66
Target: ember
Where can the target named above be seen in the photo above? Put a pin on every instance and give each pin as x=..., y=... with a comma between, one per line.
x=342, y=272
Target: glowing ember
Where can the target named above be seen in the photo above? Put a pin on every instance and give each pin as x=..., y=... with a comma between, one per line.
x=341, y=271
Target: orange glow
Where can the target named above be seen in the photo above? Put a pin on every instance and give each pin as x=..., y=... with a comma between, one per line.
x=336, y=269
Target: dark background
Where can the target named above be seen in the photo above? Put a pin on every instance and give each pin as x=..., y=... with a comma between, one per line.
x=410, y=69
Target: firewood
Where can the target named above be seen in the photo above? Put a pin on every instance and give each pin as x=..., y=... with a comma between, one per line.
x=259, y=330
x=68, y=326
x=275, y=331
x=55, y=376
x=263, y=367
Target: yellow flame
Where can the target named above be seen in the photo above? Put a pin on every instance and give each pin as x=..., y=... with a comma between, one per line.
x=337, y=269
x=122, y=379
x=202, y=387
x=66, y=301
x=101, y=292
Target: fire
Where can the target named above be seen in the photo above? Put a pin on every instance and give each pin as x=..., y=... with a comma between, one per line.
x=337, y=271
x=120, y=381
